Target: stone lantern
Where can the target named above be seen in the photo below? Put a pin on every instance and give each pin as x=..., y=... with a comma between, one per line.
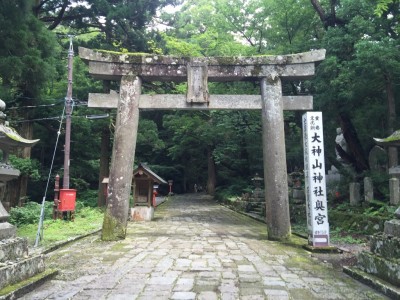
x=13, y=250
x=257, y=181
x=258, y=194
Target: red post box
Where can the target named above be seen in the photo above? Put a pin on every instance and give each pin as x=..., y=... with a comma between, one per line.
x=67, y=200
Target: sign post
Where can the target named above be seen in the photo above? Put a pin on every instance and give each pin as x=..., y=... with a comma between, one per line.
x=314, y=171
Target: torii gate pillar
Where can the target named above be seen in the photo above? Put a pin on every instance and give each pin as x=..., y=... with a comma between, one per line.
x=275, y=174
x=130, y=69
x=119, y=186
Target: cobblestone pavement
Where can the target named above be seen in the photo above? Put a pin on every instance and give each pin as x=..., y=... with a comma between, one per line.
x=194, y=249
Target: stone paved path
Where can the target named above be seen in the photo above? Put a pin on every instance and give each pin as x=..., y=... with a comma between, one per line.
x=194, y=249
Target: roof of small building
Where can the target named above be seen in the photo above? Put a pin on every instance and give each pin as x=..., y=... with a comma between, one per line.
x=149, y=173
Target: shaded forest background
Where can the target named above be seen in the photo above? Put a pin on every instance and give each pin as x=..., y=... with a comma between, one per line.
x=356, y=87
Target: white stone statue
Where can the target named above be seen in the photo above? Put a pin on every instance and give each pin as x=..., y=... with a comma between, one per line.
x=340, y=140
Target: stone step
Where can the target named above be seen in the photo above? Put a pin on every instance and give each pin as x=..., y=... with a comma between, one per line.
x=13, y=249
x=257, y=211
x=15, y=271
x=385, y=246
x=387, y=269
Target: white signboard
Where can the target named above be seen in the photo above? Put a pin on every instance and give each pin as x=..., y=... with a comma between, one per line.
x=314, y=172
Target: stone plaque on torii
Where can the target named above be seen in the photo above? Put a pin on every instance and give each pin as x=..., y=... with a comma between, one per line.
x=131, y=69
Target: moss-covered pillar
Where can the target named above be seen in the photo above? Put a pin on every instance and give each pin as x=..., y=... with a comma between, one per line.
x=116, y=215
x=274, y=154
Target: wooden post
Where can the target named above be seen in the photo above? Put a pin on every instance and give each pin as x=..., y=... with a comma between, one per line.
x=120, y=180
x=274, y=153
x=56, y=197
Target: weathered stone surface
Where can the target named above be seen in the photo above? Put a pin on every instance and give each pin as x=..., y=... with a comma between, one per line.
x=385, y=246
x=171, y=101
x=14, y=248
x=142, y=213
x=146, y=58
x=394, y=191
x=275, y=174
x=196, y=248
x=355, y=193
x=387, y=269
x=3, y=213
x=392, y=227
x=197, y=76
x=368, y=189
x=21, y=270
x=197, y=72
x=397, y=213
x=120, y=179
x=111, y=66
x=384, y=287
x=7, y=230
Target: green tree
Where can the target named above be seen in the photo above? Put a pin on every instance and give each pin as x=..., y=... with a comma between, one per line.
x=122, y=22
x=28, y=60
x=360, y=64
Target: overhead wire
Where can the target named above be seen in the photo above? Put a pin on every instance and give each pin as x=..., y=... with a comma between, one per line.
x=39, y=234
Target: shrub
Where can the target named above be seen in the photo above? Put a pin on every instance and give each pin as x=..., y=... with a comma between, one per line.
x=88, y=197
x=30, y=213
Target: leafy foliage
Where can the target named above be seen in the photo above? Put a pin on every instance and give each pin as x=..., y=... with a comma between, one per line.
x=27, y=166
x=30, y=213
x=123, y=22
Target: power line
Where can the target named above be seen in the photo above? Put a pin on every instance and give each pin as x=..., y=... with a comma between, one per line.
x=31, y=120
x=33, y=106
x=57, y=118
x=79, y=103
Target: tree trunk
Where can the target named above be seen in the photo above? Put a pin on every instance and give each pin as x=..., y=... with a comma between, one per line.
x=11, y=194
x=328, y=20
x=104, y=164
x=356, y=153
x=391, y=106
x=17, y=189
x=26, y=132
x=211, y=170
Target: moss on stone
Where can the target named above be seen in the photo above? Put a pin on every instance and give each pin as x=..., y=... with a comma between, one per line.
x=113, y=229
x=123, y=53
x=38, y=277
x=256, y=71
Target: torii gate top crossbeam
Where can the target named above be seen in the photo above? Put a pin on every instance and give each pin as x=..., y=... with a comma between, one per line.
x=112, y=66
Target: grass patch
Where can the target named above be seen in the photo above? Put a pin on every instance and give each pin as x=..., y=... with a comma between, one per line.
x=87, y=219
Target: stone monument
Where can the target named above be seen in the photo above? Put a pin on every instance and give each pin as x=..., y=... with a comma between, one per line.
x=256, y=203
x=380, y=266
x=341, y=141
x=333, y=176
x=394, y=171
x=15, y=263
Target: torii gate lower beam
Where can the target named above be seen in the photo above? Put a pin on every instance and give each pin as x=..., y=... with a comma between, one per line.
x=130, y=70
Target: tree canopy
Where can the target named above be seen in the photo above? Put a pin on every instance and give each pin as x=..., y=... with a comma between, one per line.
x=356, y=86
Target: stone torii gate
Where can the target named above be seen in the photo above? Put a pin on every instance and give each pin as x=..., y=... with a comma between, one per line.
x=132, y=69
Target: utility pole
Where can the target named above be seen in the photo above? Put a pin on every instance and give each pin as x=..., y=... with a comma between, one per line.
x=68, y=112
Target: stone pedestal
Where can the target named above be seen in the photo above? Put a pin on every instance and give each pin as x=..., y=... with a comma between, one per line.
x=256, y=203
x=383, y=260
x=142, y=213
x=394, y=191
x=298, y=195
x=6, y=229
x=368, y=190
x=354, y=194
x=15, y=263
